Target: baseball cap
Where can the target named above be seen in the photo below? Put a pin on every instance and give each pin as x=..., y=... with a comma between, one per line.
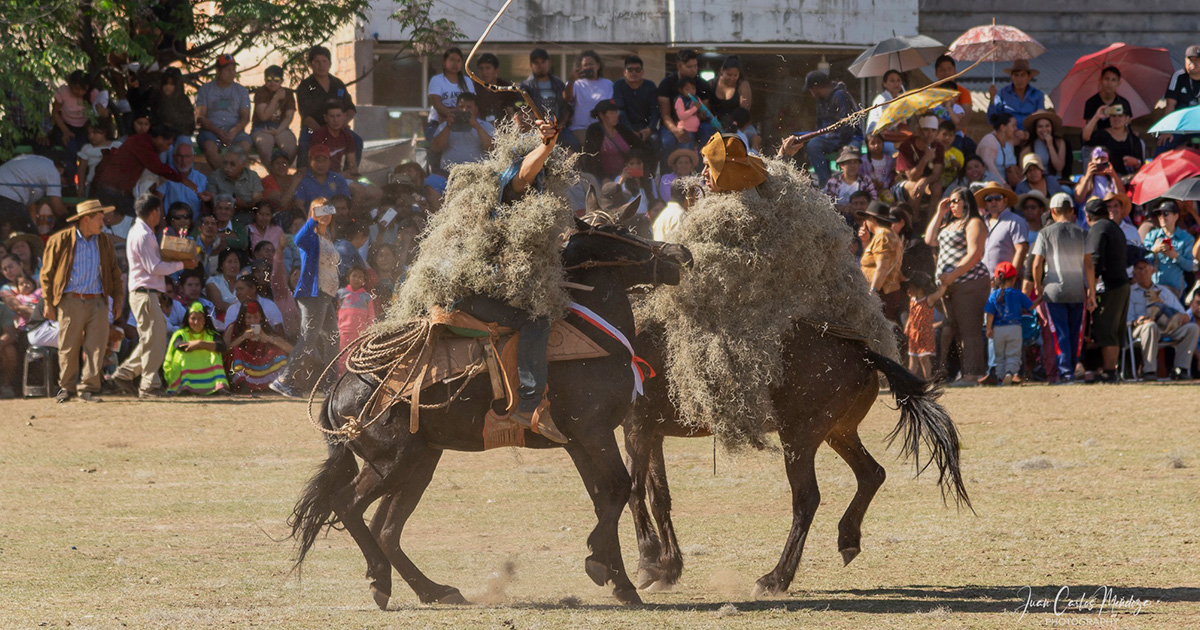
x=816, y=78
x=1006, y=270
x=318, y=150
x=225, y=60
x=929, y=122
x=1031, y=159
x=538, y=53
x=273, y=72
x=1061, y=200
x=1193, y=51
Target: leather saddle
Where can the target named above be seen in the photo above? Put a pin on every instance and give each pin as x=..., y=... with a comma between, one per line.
x=461, y=346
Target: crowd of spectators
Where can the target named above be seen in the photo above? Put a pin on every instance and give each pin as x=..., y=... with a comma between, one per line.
x=1000, y=258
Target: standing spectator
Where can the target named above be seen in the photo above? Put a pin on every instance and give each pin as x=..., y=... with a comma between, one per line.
x=849, y=180
x=730, y=90
x=147, y=273
x=1152, y=317
x=921, y=160
x=1046, y=141
x=1123, y=146
x=314, y=93
x=1106, y=245
x=586, y=89
x=235, y=179
x=961, y=236
x=356, y=308
x=79, y=278
x=637, y=100
x=193, y=363
x=493, y=106
x=1035, y=178
x=917, y=256
x=182, y=155
x=881, y=259
x=833, y=104
x=445, y=88
x=1182, y=91
x=255, y=350
x=918, y=329
x=222, y=113
x=318, y=180
x=1062, y=280
x=171, y=105
x=100, y=140
x=1170, y=249
x=687, y=66
x=9, y=358
x=1003, y=312
x=608, y=143
x=24, y=180
x=996, y=149
x=120, y=170
x=1110, y=80
x=670, y=221
x=1018, y=99
x=385, y=271
x=463, y=137
x=879, y=167
x=544, y=88
x=274, y=109
x=314, y=294
x=1008, y=232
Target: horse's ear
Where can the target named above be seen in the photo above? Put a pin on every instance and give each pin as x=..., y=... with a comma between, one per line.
x=629, y=210
x=591, y=201
x=581, y=225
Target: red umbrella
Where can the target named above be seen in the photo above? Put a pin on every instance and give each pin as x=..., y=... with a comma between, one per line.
x=1153, y=180
x=1145, y=73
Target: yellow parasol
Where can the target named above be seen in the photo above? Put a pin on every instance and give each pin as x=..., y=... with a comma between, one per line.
x=905, y=106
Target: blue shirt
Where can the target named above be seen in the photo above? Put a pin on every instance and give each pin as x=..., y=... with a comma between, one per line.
x=85, y=268
x=174, y=191
x=309, y=243
x=1008, y=102
x=1005, y=306
x=310, y=188
x=1170, y=272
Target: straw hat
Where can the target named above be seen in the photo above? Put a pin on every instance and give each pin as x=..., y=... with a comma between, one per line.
x=90, y=206
x=1031, y=121
x=993, y=188
x=731, y=165
x=1033, y=194
x=1022, y=64
x=36, y=245
x=679, y=153
x=1126, y=204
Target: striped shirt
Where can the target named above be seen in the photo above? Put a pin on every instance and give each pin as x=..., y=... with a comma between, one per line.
x=85, y=268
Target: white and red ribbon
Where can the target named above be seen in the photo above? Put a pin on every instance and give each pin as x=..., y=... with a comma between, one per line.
x=635, y=363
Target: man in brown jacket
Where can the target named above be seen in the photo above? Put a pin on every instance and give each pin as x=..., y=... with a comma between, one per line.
x=80, y=274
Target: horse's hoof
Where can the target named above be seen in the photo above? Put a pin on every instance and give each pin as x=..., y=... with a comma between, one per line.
x=766, y=586
x=627, y=596
x=848, y=554
x=453, y=597
x=596, y=570
x=648, y=575
x=381, y=598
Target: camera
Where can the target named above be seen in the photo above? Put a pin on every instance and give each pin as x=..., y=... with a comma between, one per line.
x=460, y=121
x=587, y=73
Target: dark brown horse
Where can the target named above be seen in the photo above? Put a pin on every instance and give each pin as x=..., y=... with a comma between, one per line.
x=830, y=384
x=588, y=399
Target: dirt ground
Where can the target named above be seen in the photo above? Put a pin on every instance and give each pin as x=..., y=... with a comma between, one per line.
x=166, y=515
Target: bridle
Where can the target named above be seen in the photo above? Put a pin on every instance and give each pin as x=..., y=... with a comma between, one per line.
x=655, y=251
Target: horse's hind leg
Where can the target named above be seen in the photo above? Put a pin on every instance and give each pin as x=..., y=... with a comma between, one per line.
x=637, y=445
x=388, y=525
x=799, y=452
x=870, y=475
x=671, y=560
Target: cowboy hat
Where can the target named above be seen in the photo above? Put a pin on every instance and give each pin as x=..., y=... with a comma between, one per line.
x=1022, y=64
x=1031, y=121
x=993, y=188
x=730, y=165
x=878, y=211
x=678, y=153
x=89, y=206
x=1126, y=204
x=36, y=245
x=611, y=200
x=849, y=154
x=1033, y=194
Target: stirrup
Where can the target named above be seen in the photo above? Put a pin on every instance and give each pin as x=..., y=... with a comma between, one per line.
x=540, y=422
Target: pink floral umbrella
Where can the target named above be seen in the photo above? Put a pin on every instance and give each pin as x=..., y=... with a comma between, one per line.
x=1010, y=44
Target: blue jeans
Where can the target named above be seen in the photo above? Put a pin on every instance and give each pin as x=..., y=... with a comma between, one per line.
x=531, y=346
x=817, y=149
x=313, y=344
x=1067, y=318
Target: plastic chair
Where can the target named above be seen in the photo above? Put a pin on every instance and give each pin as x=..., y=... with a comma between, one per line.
x=43, y=359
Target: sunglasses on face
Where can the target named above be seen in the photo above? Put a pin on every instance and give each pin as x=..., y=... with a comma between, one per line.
x=993, y=198
x=180, y=217
x=633, y=69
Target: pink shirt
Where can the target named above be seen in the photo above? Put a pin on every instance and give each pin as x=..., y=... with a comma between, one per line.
x=146, y=266
x=689, y=116
x=73, y=109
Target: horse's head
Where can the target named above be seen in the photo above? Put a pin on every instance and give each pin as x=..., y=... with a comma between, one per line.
x=600, y=244
x=611, y=204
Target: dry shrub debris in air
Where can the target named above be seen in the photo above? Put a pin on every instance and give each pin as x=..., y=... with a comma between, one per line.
x=764, y=258
x=514, y=256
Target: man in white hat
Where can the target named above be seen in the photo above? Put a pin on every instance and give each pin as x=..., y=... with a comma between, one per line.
x=1063, y=278
x=80, y=275
x=920, y=160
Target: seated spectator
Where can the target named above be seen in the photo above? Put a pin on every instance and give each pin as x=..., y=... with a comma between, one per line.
x=739, y=123
x=179, y=219
x=1110, y=80
x=318, y=179
x=1158, y=319
x=142, y=121
x=1035, y=178
x=996, y=149
x=954, y=157
x=255, y=350
x=893, y=86
x=444, y=90
x=1122, y=144
x=170, y=103
x=121, y=170
x=973, y=173
x=313, y=94
x=607, y=143
x=182, y=155
x=191, y=289
x=222, y=113
x=1099, y=179
x=1170, y=249
x=73, y=102
x=463, y=138
x=274, y=108
x=28, y=249
x=493, y=106
x=1017, y=99
x=232, y=230
x=636, y=99
x=219, y=287
x=207, y=236
x=730, y=91
x=879, y=167
x=848, y=181
x=687, y=111
x=246, y=290
x=237, y=180
x=920, y=160
x=100, y=139
x=945, y=67
x=263, y=228
x=24, y=180
x=544, y=88
x=116, y=226
x=193, y=363
x=682, y=163
x=634, y=180
x=279, y=182
x=671, y=134
x=586, y=89
x=337, y=138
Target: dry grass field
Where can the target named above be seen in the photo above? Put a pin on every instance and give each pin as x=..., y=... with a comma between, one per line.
x=163, y=515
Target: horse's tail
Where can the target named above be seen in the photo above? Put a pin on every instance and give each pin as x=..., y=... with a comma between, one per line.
x=924, y=419
x=314, y=509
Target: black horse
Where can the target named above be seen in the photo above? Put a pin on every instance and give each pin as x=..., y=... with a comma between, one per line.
x=588, y=399
x=829, y=386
